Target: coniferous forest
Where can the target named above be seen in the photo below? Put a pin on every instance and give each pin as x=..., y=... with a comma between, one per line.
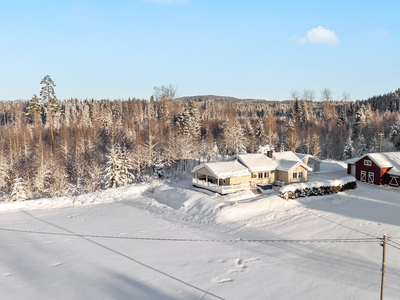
x=53, y=147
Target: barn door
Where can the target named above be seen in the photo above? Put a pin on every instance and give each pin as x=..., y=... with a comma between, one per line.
x=363, y=175
x=371, y=177
x=393, y=181
x=353, y=170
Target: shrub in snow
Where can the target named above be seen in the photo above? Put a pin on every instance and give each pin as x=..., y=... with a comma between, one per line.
x=18, y=190
x=317, y=188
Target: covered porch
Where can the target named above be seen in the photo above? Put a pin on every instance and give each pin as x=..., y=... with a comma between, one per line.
x=222, y=177
x=222, y=189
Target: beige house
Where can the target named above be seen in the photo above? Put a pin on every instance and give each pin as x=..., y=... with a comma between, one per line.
x=247, y=171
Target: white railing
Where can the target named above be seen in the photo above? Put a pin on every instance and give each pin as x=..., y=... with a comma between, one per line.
x=222, y=189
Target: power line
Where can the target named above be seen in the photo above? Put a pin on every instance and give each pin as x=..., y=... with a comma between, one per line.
x=394, y=246
x=359, y=240
x=353, y=229
x=390, y=270
x=393, y=241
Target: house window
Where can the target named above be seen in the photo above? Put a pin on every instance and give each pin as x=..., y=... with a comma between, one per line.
x=294, y=175
x=367, y=162
x=300, y=174
x=266, y=174
x=260, y=175
x=263, y=175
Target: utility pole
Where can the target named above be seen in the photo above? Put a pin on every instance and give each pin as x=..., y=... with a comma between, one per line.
x=383, y=264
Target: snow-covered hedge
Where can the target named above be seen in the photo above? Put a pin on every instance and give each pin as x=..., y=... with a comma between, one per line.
x=317, y=188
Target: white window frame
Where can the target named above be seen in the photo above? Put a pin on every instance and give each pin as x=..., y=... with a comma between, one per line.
x=294, y=176
x=300, y=174
x=367, y=162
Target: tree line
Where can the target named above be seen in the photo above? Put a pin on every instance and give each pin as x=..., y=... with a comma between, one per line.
x=55, y=147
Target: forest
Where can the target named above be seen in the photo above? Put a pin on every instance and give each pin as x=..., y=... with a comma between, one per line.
x=55, y=147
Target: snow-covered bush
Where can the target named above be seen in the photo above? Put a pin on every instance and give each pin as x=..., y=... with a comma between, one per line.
x=317, y=188
x=18, y=190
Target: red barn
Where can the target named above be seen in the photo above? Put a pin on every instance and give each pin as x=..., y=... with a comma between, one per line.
x=376, y=168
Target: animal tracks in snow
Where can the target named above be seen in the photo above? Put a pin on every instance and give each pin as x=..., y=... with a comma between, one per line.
x=234, y=266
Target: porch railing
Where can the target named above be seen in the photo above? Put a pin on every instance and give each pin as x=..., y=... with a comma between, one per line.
x=222, y=189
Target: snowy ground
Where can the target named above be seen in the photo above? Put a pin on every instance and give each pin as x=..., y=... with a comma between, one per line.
x=84, y=247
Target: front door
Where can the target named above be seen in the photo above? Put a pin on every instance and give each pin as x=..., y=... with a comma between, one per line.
x=371, y=177
x=363, y=175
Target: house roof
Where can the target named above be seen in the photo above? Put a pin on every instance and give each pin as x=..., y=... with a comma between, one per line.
x=287, y=161
x=383, y=160
x=257, y=162
x=304, y=156
x=353, y=160
x=225, y=169
x=246, y=163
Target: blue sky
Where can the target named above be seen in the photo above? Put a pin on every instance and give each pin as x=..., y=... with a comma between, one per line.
x=245, y=49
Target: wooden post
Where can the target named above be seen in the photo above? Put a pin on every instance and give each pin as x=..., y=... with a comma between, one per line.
x=383, y=264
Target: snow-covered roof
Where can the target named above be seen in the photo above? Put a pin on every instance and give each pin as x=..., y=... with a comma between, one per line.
x=225, y=169
x=250, y=162
x=287, y=161
x=303, y=156
x=382, y=160
x=353, y=160
x=257, y=162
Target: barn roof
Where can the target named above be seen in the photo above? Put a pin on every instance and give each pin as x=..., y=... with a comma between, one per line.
x=383, y=160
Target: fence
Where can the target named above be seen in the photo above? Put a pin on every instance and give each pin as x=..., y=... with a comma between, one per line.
x=177, y=168
x=222, y=189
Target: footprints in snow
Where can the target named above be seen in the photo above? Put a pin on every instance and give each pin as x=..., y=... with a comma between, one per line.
x=237, y=265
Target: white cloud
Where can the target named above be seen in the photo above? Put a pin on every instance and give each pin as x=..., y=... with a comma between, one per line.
x=322, y=36
x=317, y=35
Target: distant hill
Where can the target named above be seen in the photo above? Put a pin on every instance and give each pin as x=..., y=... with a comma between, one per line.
x=214, y=98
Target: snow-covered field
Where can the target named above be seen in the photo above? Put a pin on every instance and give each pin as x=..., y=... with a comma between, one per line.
x=96, y=246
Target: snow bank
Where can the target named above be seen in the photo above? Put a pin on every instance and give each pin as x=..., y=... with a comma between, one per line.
x=106, y=196
x=315, y=188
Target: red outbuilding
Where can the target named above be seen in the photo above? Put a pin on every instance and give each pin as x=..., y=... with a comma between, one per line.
x=376, y=168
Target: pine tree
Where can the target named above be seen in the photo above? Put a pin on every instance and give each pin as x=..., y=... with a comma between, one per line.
x=34, y=108
x=394, y=133
x=291, y=139
x=362, y=146
x=374, y=148
x=49, y=96
x=118, y=165
x=18, y=190
x=348, y=149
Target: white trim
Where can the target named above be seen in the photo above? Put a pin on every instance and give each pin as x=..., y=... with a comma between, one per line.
x=395, y=183
x=363, y=176
x=371, y=178
x=367, y=162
